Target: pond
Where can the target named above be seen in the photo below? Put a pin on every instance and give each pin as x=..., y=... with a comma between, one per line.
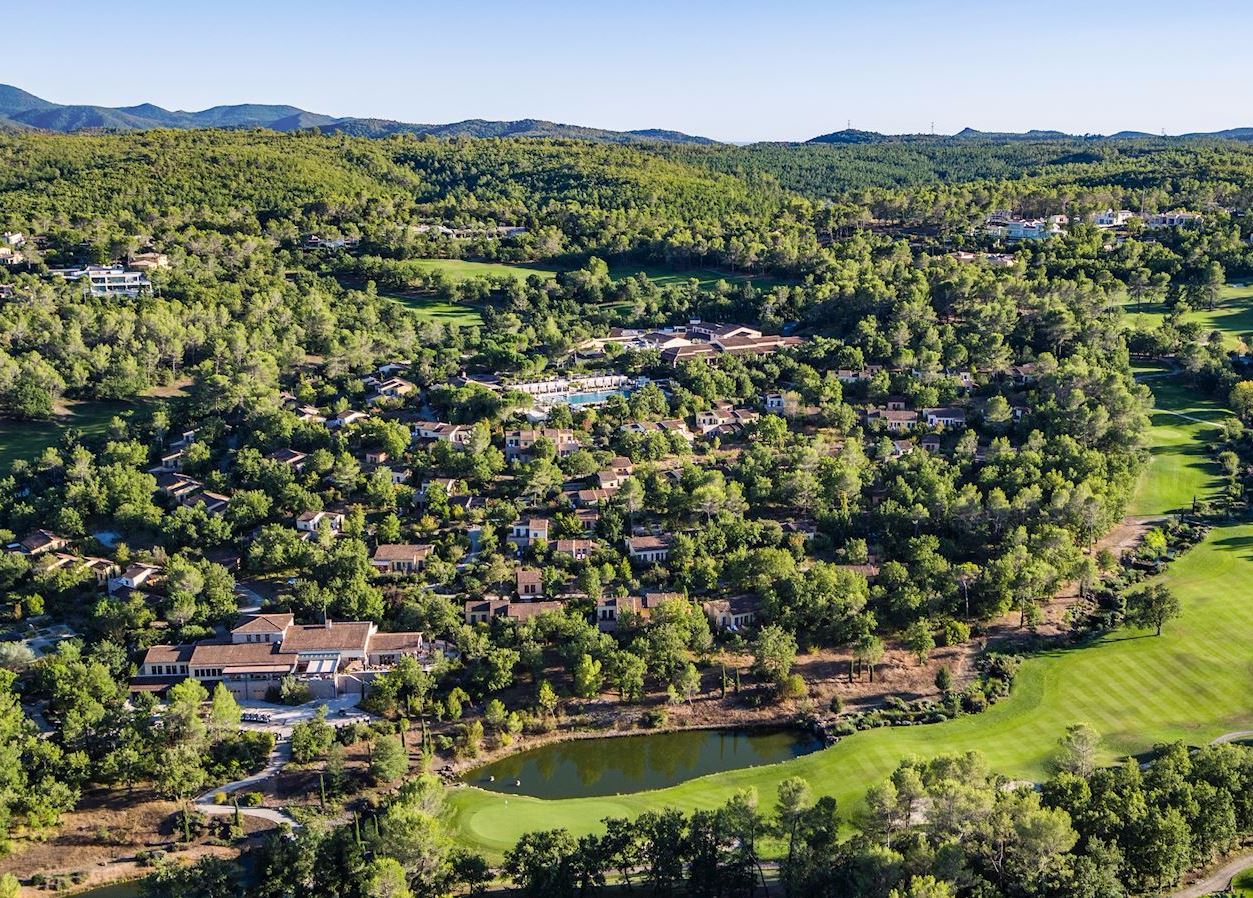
x=130, y=889
x=621, y=764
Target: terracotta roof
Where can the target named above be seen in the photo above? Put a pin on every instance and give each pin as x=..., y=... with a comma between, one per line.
x=336, y=636
x=402, y=552
x=397, y=642
x=525, y=610
x=647, y=543
x=287, y=456
x=41, y=539
x=266, y=623
x=219, y=653
x=168, y=654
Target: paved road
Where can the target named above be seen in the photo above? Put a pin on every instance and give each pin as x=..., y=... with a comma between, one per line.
x=1237, y=736
x=1217, y=881
x=281, y=755
x=282, y=719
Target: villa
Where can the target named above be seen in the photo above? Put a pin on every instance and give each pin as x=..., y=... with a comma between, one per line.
x=333, y=658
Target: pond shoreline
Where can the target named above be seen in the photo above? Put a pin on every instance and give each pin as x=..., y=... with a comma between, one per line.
x=659, y=758
x=558, y=736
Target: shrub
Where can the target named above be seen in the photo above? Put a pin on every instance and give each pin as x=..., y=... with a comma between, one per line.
x=793, y=687
x=954, y=632
x=654, y=718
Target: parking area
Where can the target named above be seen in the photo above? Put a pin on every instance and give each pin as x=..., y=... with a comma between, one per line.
x=279, y=719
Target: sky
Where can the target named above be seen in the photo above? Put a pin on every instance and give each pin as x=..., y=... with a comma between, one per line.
x=730, y=70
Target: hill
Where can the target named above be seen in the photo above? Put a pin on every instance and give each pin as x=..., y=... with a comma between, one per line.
x=25, y=110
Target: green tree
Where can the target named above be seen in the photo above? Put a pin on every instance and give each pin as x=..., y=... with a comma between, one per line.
x=774, y=653
x=1153, y=606
x=587, y=677
x=1077, y=750
x=388, y=760
x=311, y=739
x=224, y=712
x=918, y=639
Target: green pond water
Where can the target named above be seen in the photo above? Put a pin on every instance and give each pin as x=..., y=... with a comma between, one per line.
x=132, y=889
x=620, y=764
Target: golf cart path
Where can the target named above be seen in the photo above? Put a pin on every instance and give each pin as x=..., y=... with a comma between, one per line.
x=1219, y=880
x=1237, y=736
x=278, y=757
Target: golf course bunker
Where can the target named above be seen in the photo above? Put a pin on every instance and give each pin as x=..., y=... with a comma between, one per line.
x=620, y=764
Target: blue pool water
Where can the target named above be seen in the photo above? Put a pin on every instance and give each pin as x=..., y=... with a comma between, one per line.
x=593, y=398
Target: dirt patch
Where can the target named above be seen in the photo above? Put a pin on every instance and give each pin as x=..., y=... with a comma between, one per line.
x=100, y=839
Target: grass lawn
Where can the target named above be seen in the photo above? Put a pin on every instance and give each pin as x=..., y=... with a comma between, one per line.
x=26, y=439
x=459, y=270
x=1232, y=314
x=428, y=308
x=1192, y=683
x=1242, y=885
x=707, y=277
x=1179, y=468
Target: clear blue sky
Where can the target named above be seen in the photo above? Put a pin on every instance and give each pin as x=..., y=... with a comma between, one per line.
x=728, y=69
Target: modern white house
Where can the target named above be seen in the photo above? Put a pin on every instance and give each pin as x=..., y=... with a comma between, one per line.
x=109, y=280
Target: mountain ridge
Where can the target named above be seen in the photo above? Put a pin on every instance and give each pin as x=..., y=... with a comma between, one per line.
x=22, y=110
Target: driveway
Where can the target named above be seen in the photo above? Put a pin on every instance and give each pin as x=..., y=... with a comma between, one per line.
x=283, y=718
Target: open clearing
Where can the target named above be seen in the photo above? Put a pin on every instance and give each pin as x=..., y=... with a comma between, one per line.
x=1192, y=683
x=428, y=308
x=460, y=270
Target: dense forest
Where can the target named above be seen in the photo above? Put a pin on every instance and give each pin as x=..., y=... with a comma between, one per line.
x=250, y=326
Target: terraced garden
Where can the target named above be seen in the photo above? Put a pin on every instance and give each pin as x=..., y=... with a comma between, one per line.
x=1193, y=683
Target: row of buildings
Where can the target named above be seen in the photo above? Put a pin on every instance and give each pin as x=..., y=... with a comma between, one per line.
x=1006, y=226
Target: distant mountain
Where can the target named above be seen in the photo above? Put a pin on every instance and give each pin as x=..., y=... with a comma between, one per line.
x=853, y=136
x=21, y=110
x=850, y=135
x=1230, y=134
x=972, y=134
x=521, y=128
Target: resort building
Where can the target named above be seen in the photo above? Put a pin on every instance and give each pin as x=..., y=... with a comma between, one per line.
x=334, y=658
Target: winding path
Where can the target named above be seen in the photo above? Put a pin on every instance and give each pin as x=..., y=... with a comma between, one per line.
x=278, y=757
x=1219, y=880
x=1237, y=736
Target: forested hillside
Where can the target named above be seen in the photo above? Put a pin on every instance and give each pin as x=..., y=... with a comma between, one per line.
x=826, y=426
